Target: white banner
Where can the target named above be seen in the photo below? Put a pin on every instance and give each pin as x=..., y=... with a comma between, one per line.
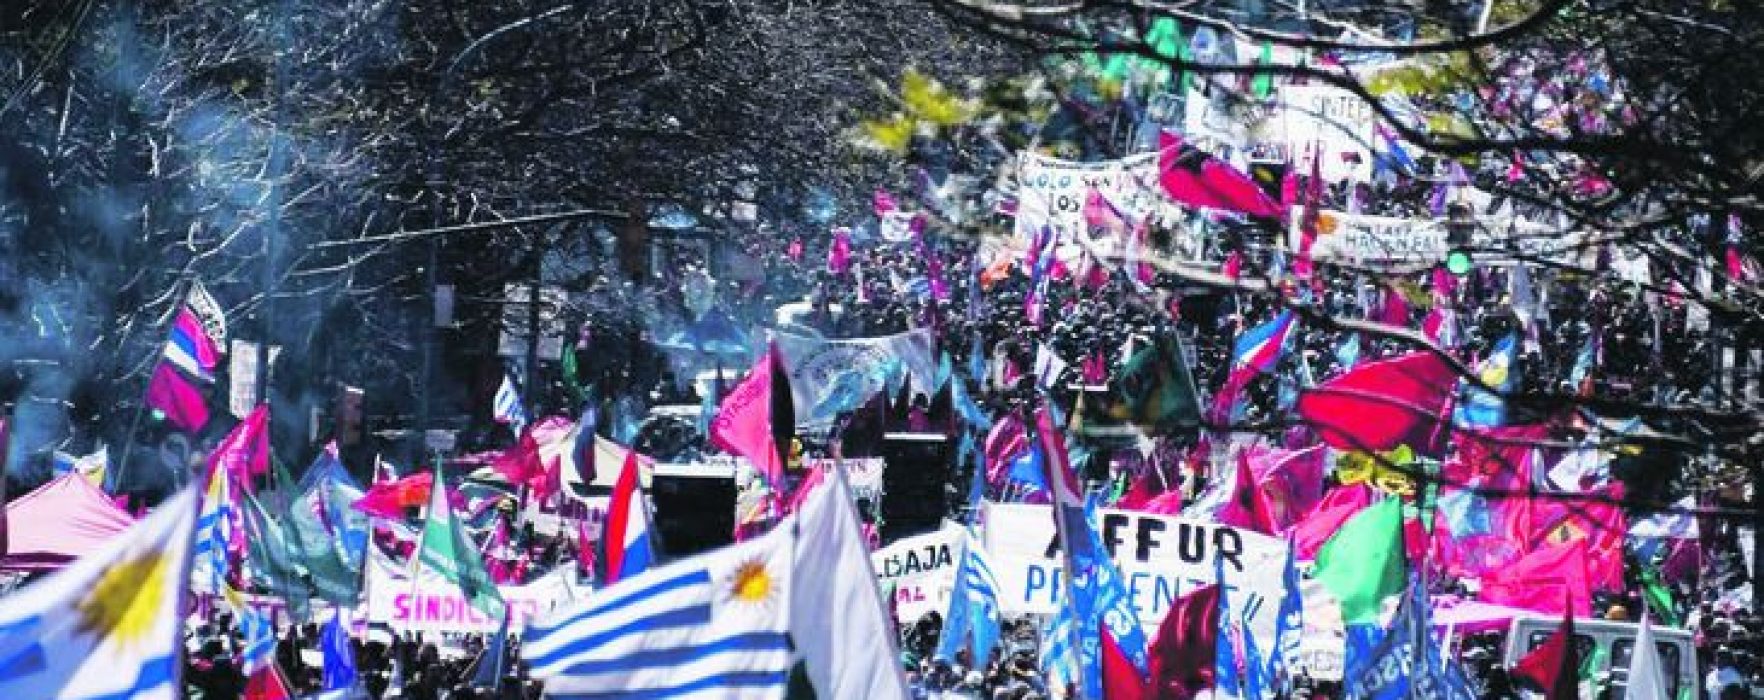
x=1051, y=192
x=1335, y=119
x=862, y=474
x=830, y=369
x=1161, y=558
x=922, y=569
x=1388, y=240
x=434, y=604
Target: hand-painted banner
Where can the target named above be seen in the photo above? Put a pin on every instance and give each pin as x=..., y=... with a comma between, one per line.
x=1161, y=558
x=1051, y=192
x=922, y=570
x=1338, y=121
x=434, y=604
x=1394, y=241
x=829, y=376
x=862, y=474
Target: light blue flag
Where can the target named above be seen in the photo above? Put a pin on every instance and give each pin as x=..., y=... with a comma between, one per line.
x=1348, y=353
x=1058, y=662
x=1480, y=408
x=1099, y=597
x=1239, y=670
x=945, y=369
x=973, y=616
x=339, y=659
x=1290, y=628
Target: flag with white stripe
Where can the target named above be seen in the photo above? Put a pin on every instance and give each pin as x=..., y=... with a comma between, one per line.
x=714, y=626
x=507, y=406
x=973, y=608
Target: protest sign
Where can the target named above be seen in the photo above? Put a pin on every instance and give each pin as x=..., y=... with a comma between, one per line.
x=922, y=570
x=434, y=604
x=1161, y=558
x=1325, y=119
x=1395, y=242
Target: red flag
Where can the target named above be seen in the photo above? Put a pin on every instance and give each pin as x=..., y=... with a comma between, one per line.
x=1315, y=528
x=1380, y=405
x=1247, y=508
x=1308, y=223
x=743, y=424
x=1193, y=177
x=1544, y=581
x=1120, y=680
x=390, y=499
x=1555, y=520
x=267, y=684
x=1182, y=654
x=1554, y=665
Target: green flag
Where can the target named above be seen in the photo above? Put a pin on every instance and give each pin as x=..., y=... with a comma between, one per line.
x=1364, y=562
x=571, y=373
x=1263, y=84
x=448, y=551
x=1157, y=389
x=330, y=535
x=273, y=557
x=1659, y=597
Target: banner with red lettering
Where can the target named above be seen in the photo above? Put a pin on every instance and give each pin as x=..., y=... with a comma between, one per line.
x=921, y=570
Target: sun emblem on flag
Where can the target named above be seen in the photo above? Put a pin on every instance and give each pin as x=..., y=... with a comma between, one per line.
x=751, y=586
x=125, y=601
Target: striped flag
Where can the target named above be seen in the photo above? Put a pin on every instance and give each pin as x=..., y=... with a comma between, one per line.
x=629, y=550
x=973, y=608
x=1057, y=660
x=187, y=362
x=714, y=625
x=215, y=522
x=507, y=406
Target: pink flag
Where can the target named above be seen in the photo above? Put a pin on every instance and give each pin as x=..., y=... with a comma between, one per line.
x=1396, y=309
x=1099, y=212
x=1233, y=268
x=884, y=203
x=1193, y=177
x=1321, y=523
x=1543, y=581
x=245, y=451
x=1007, y=441
x=743, y=425
x=1247, y=508
x=178, y=398
x=1291, y=481
x=839, y=253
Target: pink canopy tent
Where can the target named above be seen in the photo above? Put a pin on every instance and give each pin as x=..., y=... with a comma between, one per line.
x=59, y=522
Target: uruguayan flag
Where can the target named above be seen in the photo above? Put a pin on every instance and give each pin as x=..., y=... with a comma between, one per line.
x=1057, y=659
x=106, y=626
x=214, y=525
x=507, y=406
x=713, y=626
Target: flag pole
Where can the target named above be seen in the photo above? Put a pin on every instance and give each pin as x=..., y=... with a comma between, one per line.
x=1048, y=462
x=116, y=476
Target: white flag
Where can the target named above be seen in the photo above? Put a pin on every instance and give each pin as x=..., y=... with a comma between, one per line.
x=1647, y=681
x=846, y=638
